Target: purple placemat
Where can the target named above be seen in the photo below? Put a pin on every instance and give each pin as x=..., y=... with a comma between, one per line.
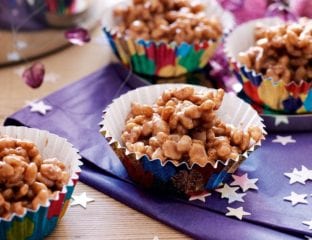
x=76, y=112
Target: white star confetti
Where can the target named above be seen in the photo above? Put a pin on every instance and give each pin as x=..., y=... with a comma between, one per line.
x=19, y=71
x=306, y=173
x=51, y=77
x=280, y=119
x=237, y=212
x=201, y=197
x=31, y=2
x=244, y=182
x=230, y=193
x=295, y=176
x=283, y=140
x=155, y=238
x=296, y=198
x=21, y=44
x=13, y=56
x=81, y=200
x=39, y=107
x=308, y=223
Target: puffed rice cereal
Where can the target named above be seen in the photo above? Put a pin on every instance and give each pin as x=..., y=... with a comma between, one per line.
x=282, y=52
x=167, y=20
x=182, y=126
x=26, y=179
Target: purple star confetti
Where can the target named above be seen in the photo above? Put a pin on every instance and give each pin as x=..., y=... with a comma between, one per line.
x=33, y=76
x=77, y=36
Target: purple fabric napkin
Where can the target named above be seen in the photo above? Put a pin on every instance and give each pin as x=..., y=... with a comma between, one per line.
x=76, y=112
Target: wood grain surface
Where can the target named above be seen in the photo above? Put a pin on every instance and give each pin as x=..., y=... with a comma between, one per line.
x=104, y=218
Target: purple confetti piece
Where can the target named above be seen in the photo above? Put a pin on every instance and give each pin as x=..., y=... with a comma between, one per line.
x=33, y=76
x=231, y=5
x=302, y=8
x=281, y=10
x=77, y=36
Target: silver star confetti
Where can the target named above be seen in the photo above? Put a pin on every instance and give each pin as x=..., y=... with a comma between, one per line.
x=201, y=197
x=237, y=212
x=81, y=200
x=230, y=193
x=280, y=119
x=244, y=182
x=296, y=198
x=283, y=140
x=308, y=223
x=295, y=176
x=39, y=107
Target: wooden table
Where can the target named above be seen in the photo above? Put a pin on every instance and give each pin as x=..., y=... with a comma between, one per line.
x=104, y=218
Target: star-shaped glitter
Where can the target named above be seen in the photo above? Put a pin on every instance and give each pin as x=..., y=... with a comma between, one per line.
x=295, y=176
x=306, y=173
x=296, y=198
x=201, y=197
x=280, y=119
x=244, y=182
x=283, y=140
x=39, y=107
x=308, y=223
x=237, y=212
x=81, y=200
x=230, y=193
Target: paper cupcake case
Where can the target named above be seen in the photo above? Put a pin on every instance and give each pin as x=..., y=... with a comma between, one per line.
x=178, y=179
x=291, y=98
x=156, y=58
x=37, y=224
